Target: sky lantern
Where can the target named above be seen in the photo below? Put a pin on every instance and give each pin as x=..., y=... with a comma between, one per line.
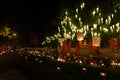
x=80, y=36
x=96, y=41
x=96, y=44
x=79, y=42
x=61, y=41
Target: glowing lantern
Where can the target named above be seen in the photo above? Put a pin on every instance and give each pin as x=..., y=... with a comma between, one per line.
x=79, y=42
x=103, y=74
x=79, y=36
x=96, y=41
x=61, y=41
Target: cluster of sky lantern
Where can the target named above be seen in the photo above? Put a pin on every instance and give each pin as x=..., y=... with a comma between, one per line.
x=71, y=24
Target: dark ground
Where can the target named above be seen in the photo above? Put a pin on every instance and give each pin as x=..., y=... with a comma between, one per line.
x=9, y=71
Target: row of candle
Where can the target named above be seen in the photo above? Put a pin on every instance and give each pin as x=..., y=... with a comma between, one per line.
x=71, y=57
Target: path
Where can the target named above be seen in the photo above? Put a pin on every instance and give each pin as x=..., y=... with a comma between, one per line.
x=8, y=71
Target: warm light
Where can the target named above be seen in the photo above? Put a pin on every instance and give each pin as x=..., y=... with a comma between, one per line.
x=84, y=69
x=93, y=13
x=102, y=64
x=66, y=12
x=77, y=10
x=14, y=34
x=91, y=63
x=61, y=41
x=97, y=9
x=80, y=62
x=103, y=74
x=96, y=41
x=112, y=16
x=82, y=6
x=100, y=25
x=76, y=16
x=95, y=34
x=117, y=24
x=58, y=68
x=95, y=26
x=105, y=30
x=101, y=20
x=79, y=19
x=79, y=36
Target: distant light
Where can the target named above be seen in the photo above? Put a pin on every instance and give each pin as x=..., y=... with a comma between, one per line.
x=103, y=74
x=14, y=34
x=84, y=69
x=58, y=68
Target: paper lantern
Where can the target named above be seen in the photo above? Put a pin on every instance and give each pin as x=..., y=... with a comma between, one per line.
x=79, y=36
x=96, y=41
x=61, y=41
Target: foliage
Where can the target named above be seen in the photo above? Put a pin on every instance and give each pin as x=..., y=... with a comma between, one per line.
x=101, y=19
x=7, y=35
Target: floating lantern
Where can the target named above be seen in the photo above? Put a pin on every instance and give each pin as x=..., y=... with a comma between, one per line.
x=79, y=36
x=61, y=41
x=79, y=43
x=96, y=41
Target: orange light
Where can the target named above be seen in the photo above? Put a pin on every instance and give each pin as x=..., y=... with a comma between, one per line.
x=103, y=74
x=79, y=36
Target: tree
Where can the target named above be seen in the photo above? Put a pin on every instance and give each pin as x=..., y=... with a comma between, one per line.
x=7, y=35
x=100, y=19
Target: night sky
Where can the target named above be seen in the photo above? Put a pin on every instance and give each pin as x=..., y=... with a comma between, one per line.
x=29, y=16
x=32, y=14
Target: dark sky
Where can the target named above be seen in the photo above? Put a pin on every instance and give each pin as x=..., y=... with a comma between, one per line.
x=33, y=14
x=27, y=16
